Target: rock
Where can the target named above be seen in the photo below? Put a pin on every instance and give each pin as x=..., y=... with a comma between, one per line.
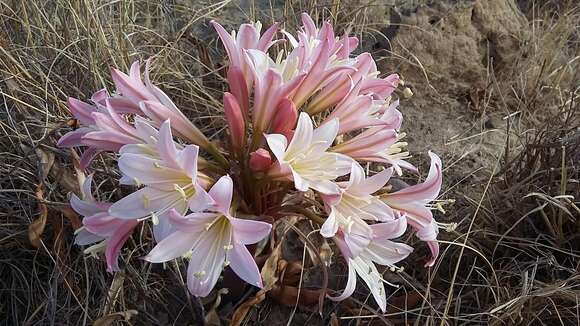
x=448, y=45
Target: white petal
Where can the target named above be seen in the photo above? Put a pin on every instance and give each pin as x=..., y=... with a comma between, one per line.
x=277, y=144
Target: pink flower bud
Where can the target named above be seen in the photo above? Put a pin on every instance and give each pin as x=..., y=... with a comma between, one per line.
x=285, y=118
x=235, y=120
x=260, y=160
x=239, y=87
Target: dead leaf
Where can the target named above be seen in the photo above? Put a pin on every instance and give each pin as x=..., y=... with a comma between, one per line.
x=290, y=295
x=269, y=277
x=46, y=161
x=114, y=290
x=212, y=317
x=116, y=316
x=36, y=228
x=242, y=311
x=72, y=216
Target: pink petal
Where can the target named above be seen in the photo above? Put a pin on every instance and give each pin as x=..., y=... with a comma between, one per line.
x=87, y=156
x=73, y=138
x=266, y=40
x=423, y=192
x=84, y=237
x=350, y=284
x=390, y=229
x=81, y=111
x=166, y=146
x=174, y=245
x=116, y=242
x=260, y=160
x=207, y=263
x=239, y=87
x=372, y=184
x=235, y=120
x=201, y=200
x=244, y=265
x=191, y=223
x=221, y=192
x=249, y=231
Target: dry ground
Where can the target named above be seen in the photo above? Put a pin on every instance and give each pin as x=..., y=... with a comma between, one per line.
x=496, y=92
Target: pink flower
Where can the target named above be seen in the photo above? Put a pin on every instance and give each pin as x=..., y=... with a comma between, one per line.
x=147, y=99
x=306, y=160
x=247, y=37
x=103, y=130
x=215, y=240
x=380, y=143
x=353, y=205
x=271, y=87
x=380, y=250
x=171, y=181
x=99, y=226
x=412, y=202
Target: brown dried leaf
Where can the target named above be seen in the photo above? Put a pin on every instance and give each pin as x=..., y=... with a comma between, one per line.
x=242, y=311
x=36, y=228
x=71, y=215
x=46, y=161
x=290, y=295
x=270, y=276
x=116, y=316
x=114, y=290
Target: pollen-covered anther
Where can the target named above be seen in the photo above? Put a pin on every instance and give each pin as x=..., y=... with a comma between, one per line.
x=154, y=218
x=199, y=274
x=146, y=202
x=228, y=247
x=226, y=263
x=180, y=190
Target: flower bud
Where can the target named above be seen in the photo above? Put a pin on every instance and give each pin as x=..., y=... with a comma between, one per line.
x=285, y=118
x=260, y=160
x=235, y=120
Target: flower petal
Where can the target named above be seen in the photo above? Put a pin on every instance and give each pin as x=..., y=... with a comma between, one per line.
x=249, y=231
x=174, y=245
x=221, y=192
x=244, y=265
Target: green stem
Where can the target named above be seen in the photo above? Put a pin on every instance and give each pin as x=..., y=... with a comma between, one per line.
x=217, y=155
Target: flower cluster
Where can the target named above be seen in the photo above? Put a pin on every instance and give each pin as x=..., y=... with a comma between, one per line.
x=300, y=124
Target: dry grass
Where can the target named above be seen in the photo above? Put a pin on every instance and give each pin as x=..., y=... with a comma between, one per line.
x=514, y=258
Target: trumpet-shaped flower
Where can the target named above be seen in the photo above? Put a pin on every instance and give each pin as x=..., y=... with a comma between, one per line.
x=412, y=202
x=147, y=99
x=380, y=143
x=171, y=181
x=246, y=38
x=380, y=250
x=99, y=226
x=306, y=160
x=215, y=239
x=353, y=205
x=103, y=130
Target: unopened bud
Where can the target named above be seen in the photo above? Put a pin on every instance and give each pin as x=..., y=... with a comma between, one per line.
x=260, y=160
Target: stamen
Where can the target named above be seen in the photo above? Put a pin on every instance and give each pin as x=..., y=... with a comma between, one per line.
x=228, y=247
x=199, y=274
x=227, y=263
x=146, y=202
x=154, y=218
x=180, y=190
x=157, y=165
